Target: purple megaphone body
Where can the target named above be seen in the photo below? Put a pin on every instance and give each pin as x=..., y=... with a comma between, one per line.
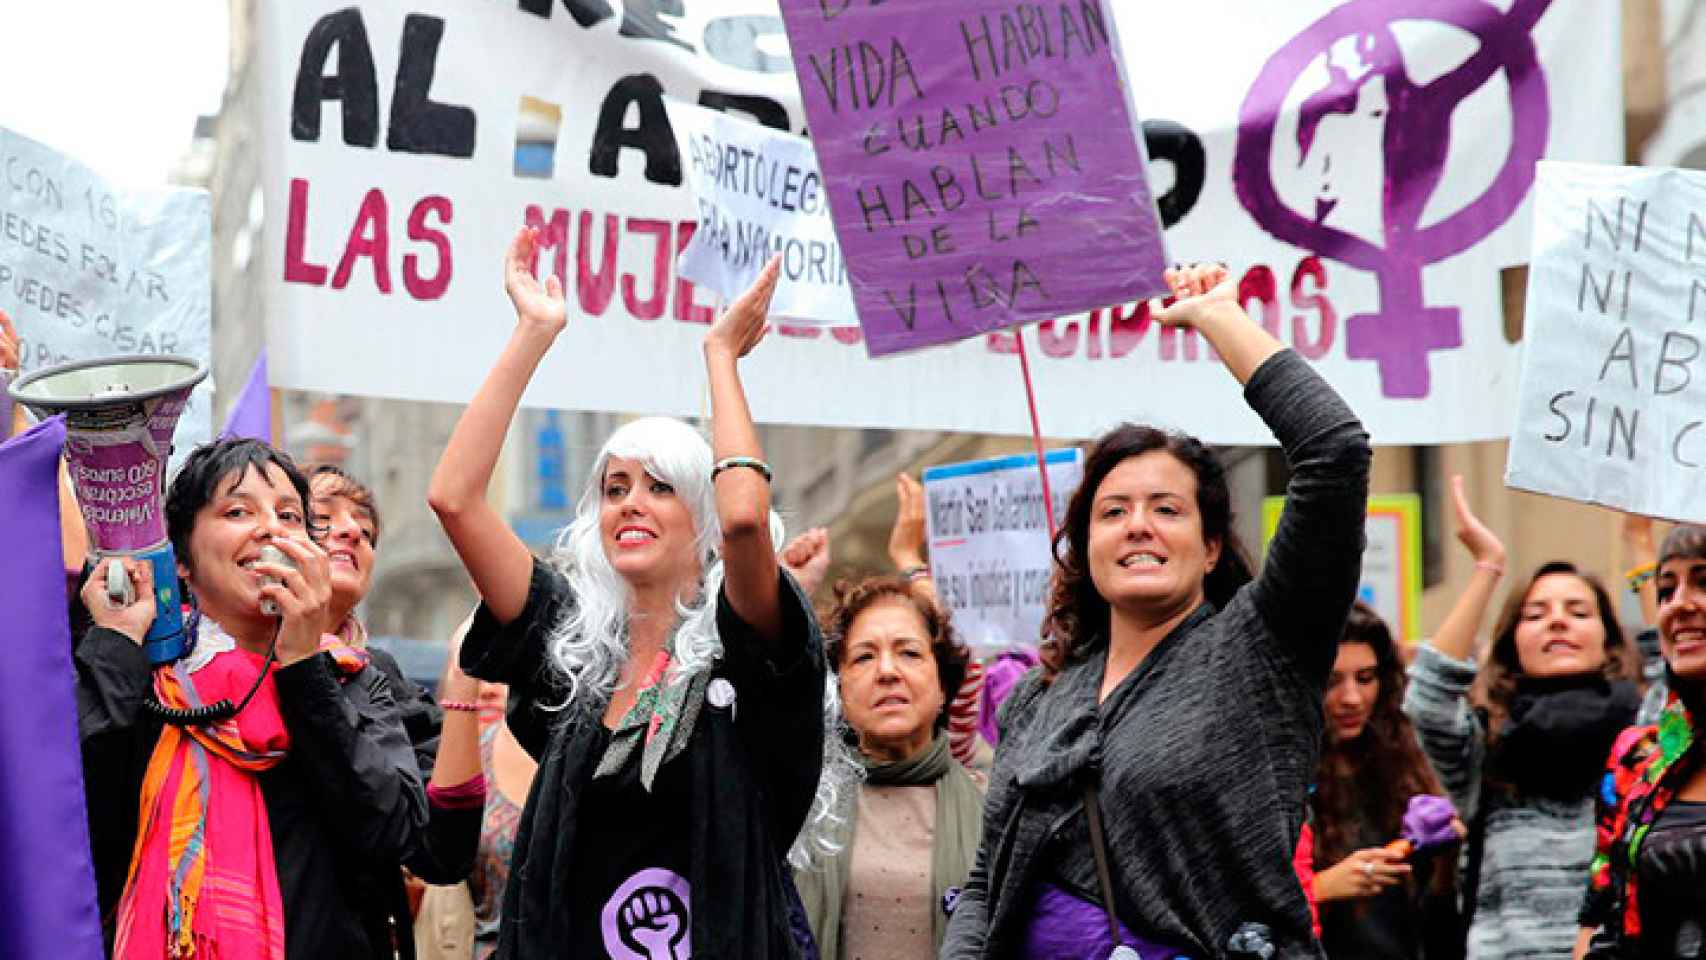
x=120, y=414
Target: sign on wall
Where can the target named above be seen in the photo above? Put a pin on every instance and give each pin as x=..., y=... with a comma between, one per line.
x=399, y=163
x=1391, y=561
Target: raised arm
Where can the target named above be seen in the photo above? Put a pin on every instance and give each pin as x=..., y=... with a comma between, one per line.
x=1456, y=636
x=1310, y=578
x=496, y=558
x=751, y=576
x=908, y=537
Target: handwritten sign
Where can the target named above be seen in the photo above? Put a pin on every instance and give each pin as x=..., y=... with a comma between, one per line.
x=89, y=270
x=989, y=547
x=1613, y=393
x=982, y=159
x=397, y=165
x=760, y=195
x=1391, y=559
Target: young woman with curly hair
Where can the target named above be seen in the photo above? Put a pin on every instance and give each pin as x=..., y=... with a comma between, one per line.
x=1385, y=837
x=1178, y=712
x=1521, y=756
x=911, y=832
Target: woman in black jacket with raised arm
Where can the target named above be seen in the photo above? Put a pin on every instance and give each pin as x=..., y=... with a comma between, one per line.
x=1180, y=700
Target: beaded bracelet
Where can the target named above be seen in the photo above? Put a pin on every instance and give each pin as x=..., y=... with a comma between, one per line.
x=751, y=463
x=467, y=706
x=913, y=574
x=1495, y=569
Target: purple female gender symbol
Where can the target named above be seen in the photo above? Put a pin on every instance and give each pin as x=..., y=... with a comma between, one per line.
x=1416, y=139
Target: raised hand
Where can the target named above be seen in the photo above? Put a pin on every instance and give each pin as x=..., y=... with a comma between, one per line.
x=8, y=344
x=1199, y=291
x=906, y=537
x=1482, y=543
x=807, y=558
x=537, y=306
x=743, y=324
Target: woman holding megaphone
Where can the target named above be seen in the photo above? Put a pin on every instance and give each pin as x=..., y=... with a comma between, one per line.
x=237, y=831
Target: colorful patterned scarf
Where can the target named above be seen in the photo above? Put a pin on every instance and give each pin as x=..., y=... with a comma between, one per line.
x=1640, y=781
x=203, y=880
x=660, y=722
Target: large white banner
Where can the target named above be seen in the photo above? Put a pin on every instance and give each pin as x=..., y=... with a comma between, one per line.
x=89, y=269
x=1363, y=167
x=1613, y=406
x=989, y=543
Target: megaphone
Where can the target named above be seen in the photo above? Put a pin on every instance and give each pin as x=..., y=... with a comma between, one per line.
x=7, y=375
x=120, y=414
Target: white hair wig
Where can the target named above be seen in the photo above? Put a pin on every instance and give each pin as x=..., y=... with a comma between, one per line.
x=589, y=646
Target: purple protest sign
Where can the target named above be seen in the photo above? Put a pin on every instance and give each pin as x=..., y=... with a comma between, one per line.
x=982, y=162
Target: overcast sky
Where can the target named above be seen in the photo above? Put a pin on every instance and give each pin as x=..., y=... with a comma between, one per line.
x=117, y=85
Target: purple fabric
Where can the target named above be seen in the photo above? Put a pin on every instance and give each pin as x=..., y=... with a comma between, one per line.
x=999, y=679
x=1064, y=927
x=468, y=795
x=47, y=877
x=251, y=415
x=1427, y=821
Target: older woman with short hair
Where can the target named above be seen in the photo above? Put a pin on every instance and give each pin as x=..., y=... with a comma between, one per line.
x=911, y=834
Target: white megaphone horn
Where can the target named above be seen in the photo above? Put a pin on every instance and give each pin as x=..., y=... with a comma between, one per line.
x=120, y=414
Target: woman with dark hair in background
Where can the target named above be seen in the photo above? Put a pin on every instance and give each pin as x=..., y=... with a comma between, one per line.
x=910, y=835
x=1523, y=758
x=1385, y=837
x=295, y=800
x=1150, y=782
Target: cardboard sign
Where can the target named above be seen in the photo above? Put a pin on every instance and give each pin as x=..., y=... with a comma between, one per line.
x=760, y=195
x=1613, y=398
x=1391, y=561
x=989, y=546
x=90, y=270
x=398, y=163
x=982, y=159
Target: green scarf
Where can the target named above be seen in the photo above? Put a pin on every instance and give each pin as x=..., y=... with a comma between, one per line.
x=959, y=826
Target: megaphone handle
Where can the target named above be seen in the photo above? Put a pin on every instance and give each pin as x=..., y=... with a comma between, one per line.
x=120, y=592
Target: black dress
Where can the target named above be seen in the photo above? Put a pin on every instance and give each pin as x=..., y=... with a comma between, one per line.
x=693, y=867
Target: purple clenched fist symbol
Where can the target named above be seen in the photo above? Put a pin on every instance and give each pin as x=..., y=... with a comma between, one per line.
x=1416, y=139
x=649, y=917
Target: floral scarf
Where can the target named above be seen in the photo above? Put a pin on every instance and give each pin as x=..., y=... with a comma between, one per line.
x=1647, y=765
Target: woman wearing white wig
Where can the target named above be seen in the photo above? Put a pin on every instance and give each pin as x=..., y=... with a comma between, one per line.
x=665, y=672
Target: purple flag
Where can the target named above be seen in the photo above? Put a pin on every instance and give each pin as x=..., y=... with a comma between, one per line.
x=47, y=878
x=982, y=162
x=251, y=415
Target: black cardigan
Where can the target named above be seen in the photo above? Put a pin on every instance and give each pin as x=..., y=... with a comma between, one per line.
x=753, y=769
x=346, y=805
x=1206, y=750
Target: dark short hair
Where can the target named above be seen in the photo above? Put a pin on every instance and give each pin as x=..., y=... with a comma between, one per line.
x=1685, y=540
x=1077, y=612
x=852, y=599
x=341, y=484
x=197, y=482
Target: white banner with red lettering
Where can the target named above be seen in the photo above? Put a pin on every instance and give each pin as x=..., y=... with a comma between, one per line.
x=404, y=144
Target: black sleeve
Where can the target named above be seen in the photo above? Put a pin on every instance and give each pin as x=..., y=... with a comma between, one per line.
x=452, y=838
x=1314, y=562
x=420, y=713
x=113, y=679
x=352, y=742
x=780, y=686
x=517, y=654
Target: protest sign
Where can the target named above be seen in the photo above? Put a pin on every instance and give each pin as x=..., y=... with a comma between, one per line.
x=1391, y=559
x=974, y=153
x=90, y=270
x=1609, y=411
x=759, y=193
x=398, y=164
x=989, y=543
